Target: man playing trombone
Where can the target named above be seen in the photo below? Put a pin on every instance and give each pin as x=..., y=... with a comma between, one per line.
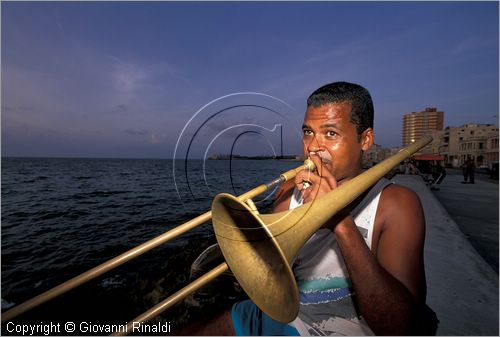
x=362, y=273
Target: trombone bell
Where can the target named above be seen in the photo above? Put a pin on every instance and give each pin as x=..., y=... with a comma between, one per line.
x=255, y=257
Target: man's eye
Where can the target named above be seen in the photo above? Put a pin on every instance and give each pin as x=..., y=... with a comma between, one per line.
x=307, y=132
x=331, y=133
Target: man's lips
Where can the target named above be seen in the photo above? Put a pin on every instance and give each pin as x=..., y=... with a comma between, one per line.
x=324, y=157
x=325, y=161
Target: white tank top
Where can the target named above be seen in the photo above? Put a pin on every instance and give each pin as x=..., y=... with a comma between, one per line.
x=326, y=293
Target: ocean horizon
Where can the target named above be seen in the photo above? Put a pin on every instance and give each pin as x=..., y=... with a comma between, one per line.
x=63, y=216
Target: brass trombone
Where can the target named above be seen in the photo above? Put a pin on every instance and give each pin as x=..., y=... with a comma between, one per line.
x=257, y=248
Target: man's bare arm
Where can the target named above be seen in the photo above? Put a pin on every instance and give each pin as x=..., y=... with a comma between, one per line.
x=389, y=285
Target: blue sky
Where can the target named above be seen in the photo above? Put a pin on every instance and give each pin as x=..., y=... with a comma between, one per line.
x=130, y=79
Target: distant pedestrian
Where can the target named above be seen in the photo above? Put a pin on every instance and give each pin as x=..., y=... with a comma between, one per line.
x=412, y=168
x=407, y=167
x=471, y=168
x=494, y=171
x=438, y=175
x=465, y=172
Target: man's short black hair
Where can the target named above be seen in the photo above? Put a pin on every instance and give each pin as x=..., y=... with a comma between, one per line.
x=338, y=92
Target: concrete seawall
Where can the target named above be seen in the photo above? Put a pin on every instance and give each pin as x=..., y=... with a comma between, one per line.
x=461, y=287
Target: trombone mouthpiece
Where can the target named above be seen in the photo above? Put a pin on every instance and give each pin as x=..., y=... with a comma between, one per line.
x=309, y=164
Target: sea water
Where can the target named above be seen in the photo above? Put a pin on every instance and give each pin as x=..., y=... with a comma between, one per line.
x=63, y=216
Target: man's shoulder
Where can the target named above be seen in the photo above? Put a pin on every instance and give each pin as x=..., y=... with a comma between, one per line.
x=400, y=216
x=394, y=191
x=396, y=200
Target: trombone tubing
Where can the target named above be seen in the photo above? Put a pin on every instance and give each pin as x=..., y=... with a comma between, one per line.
x=369, y=178
x=174, y=298
x=141, y=249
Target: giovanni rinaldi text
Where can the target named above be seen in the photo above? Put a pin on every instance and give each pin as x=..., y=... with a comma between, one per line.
x=85, y=327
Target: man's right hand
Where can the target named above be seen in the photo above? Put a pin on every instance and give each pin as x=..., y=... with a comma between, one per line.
x=314, y=184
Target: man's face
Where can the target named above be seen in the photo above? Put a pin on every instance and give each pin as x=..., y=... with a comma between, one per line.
x=329, y=133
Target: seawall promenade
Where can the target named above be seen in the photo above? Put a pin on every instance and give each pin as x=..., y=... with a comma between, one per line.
x=474, y=207
x=462, y=288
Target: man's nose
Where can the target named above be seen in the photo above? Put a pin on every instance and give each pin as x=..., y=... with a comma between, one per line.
x=315, y=146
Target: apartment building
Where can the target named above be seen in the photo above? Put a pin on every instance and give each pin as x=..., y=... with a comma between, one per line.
x=418, y=124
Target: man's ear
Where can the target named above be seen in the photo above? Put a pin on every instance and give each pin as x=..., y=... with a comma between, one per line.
x=367, y=138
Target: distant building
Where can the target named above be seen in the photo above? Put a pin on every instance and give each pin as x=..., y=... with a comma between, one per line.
x=491, y=152
x=374, y=155
x=469, y=141
x=435, y=146
x=418, y=124
x=391, y=151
